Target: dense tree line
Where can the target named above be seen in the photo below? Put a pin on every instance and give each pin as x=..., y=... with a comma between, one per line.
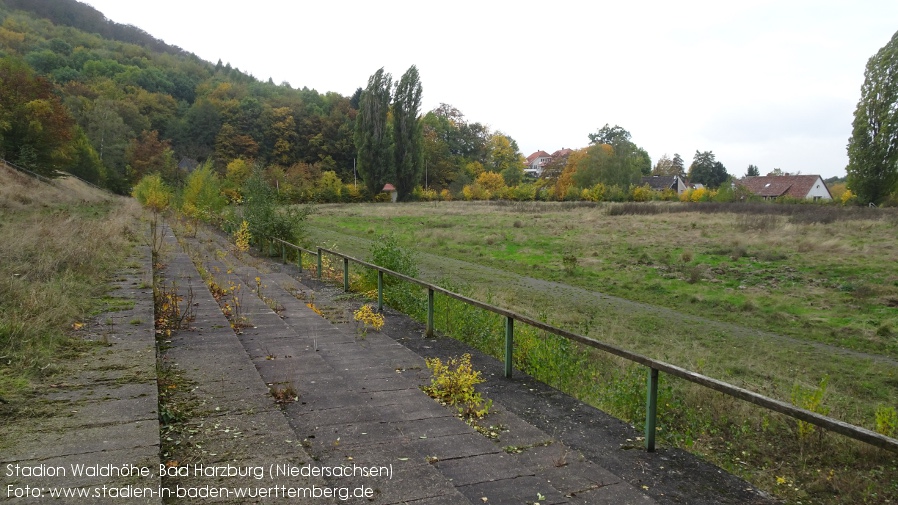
x=122, y=104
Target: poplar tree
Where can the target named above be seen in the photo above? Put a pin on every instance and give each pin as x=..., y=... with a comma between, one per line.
x=873, y=146
x=372, y=136
x=407, y=132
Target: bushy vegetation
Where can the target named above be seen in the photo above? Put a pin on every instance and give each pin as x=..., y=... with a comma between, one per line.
x=265, y=217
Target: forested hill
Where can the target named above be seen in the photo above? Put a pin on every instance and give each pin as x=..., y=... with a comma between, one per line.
x=86, y=18
x=110, y=103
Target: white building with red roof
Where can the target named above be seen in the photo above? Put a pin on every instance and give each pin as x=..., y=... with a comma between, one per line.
x=809, y=187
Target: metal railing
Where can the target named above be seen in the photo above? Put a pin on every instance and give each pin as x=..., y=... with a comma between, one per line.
x=654, y=367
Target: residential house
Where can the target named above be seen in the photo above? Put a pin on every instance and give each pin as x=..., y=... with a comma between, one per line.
x=768, y=187
x=665, y=182
x=536, y=162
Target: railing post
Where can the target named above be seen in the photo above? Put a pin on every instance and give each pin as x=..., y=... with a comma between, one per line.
x=299, y=259
x=270, y=247
x=345, y=275
x=380, y=291
x=651, y=410
x=429, y=312
x=283, y=253
x=319, y=263
x=509, y=344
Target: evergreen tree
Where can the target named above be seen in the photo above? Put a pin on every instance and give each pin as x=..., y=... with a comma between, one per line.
x=407, y=133
x=372, y=138
x=679, y=165
x=873, y=146
x=707, y=170
x=752, y=171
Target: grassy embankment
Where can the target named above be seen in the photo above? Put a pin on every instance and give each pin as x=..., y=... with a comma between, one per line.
x=765, y=301
x=61, y=242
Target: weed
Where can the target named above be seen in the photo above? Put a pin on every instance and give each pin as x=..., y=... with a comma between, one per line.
x=809, y=399
x=272, y=304
x=886, y=421
x=695, y=273
x=169, y=315
x=369, y=319
x=569, y=262
x=232, y=308
x=170, y=381
x=453, y=384
x=283, y=392
x=315, y=308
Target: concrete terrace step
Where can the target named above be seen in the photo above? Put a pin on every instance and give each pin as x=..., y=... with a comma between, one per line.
x=101, y=412
x=360, y=401
x=235, y=420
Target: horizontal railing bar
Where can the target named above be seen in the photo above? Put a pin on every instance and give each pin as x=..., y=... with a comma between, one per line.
x=298, y=248
x=832, y=424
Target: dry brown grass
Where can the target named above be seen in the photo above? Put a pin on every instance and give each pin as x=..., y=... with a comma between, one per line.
x=60, y=243
x=20, y=191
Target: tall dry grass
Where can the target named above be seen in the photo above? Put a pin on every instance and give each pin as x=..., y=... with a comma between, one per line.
x=59, y=245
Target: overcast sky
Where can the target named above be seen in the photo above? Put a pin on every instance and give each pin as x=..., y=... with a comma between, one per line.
x=770, y=83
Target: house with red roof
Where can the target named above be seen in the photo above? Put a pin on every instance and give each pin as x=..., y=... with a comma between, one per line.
x=802, y=187
x=536, y=162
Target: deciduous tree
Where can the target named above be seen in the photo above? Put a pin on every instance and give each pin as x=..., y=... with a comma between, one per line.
x=36, y=130
x=372, y=137
x=873, y=146
x=623, y=165
x=407, y=133
x=147, y=154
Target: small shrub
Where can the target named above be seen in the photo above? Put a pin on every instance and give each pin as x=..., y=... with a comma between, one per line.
x=453, y=384
x=242, y=237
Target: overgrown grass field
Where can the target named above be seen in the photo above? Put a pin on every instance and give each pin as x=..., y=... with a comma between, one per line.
x=796, y=302
x=60, y=244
